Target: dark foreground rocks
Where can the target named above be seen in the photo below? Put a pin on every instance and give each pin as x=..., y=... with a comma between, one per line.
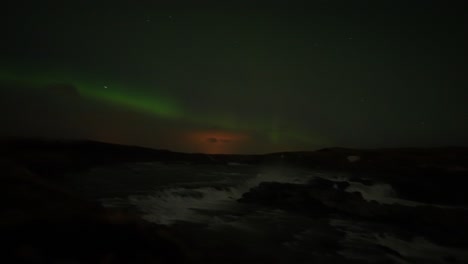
x=42, y=223
x=431, y=175
x=444, y=226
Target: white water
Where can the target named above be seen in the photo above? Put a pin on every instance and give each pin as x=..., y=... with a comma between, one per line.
x=183, y=201
x=207, y=195
x=420, y=249
x=176, y=203
x=360, y=242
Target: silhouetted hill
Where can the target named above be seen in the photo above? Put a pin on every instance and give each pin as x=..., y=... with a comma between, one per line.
x=54, y=157
x=44, y=222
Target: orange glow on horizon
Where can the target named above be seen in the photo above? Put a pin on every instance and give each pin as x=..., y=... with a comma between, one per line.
x=217, y=142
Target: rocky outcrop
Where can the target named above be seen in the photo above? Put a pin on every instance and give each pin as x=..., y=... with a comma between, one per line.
x=442, y=225
x=40, y=222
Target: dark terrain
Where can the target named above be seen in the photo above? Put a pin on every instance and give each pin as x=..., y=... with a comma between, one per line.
x=44, y=222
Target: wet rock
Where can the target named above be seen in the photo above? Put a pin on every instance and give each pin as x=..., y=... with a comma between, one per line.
x=40, y=222
x=283, y=195
x=442, y=225
x=320, y=183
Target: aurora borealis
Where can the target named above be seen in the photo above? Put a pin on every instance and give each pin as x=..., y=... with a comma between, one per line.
x=245, y=78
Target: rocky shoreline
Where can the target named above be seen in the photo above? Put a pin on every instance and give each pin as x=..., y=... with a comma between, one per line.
x=445, y=226
x=42, y=222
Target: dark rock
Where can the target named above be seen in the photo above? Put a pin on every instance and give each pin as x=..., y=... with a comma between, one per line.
x=283, y=195
x=320, y=183
x=433, y=188
x=444, y=226
x=40, y=222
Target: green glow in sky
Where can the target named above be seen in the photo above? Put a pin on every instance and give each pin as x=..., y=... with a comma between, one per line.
x=166, y=107
x=159, y=106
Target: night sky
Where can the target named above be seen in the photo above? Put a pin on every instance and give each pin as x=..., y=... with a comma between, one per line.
x=236, y=78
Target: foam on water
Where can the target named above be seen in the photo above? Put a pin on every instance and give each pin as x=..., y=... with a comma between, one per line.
x=361, y=242
x=421, y=249
x=177, y=204
x=382, y=193
x=217, y=188
x=181, y=203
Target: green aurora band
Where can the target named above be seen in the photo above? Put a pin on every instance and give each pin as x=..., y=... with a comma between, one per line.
x=165, y=107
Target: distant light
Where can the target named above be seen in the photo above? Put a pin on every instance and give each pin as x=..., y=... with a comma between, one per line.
x=105, y=87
